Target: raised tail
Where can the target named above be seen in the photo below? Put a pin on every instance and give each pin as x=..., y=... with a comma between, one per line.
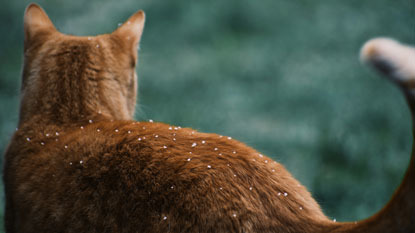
x=397, y=62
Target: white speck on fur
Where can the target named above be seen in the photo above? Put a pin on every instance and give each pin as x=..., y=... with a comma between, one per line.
x=129, y=131
x=188, y=159
x=116, y=130
x=70, y=163
x=234, y=215
x=285, y=194
x=165, y=147
x=194, y=144
x=203, y=142
x=266, y=161
x=97, y=46
x=229, y=138
x=208, y=166
x=139, y=139
x=234, y=152
x=250, y=188
x=28, y=139
x=81, y=162
x=165, y=217
x=334, y=220
x=90, y=121
x=47, y=135
x=57, y=133
x=66, y=147
x=82, y=127
x=260, y=155
x=42, y=143
x=279, y=194
x=98, y=130
x=215, y=148
x=170, y=128
x=156, y=136
x=151, y=121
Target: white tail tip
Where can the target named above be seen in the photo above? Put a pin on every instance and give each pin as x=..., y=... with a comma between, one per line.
x=390, y=57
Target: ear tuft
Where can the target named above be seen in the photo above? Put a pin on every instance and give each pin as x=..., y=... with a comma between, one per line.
x=36, y=20
x=132, y=29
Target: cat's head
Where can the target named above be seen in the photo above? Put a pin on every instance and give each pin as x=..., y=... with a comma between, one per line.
x=65, y=74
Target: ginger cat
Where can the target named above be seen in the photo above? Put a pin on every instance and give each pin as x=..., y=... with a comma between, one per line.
x=79, y=163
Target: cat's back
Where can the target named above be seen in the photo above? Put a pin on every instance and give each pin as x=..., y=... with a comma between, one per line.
x=126, y=174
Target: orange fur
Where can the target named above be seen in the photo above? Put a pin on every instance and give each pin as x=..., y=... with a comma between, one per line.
x=79, y=163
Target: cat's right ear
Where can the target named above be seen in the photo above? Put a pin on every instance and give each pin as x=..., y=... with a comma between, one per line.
x=36, y=22
x=131, y=30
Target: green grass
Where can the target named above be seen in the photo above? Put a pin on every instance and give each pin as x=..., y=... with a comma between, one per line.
x=282, y=76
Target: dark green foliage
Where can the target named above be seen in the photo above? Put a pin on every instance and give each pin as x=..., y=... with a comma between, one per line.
x=282, y=76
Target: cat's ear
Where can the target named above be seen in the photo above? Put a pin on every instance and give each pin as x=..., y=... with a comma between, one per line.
x=36, y=21
x=131, y=30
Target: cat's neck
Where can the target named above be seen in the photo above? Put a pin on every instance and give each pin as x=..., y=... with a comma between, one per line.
x=62, y=119
x=76, y=91
x=44, y=128
x=59, y=106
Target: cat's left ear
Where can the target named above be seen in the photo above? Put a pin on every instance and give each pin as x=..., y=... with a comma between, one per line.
x=132, y=29
x=36, y=22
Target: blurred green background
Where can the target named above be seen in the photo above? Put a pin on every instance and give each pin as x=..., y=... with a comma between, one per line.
x=283, y=76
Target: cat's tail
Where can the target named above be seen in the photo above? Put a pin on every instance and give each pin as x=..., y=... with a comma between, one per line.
x=397, y=62
x=393, y=59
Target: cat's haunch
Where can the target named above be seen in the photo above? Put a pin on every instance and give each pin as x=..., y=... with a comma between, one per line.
x=79, y=163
